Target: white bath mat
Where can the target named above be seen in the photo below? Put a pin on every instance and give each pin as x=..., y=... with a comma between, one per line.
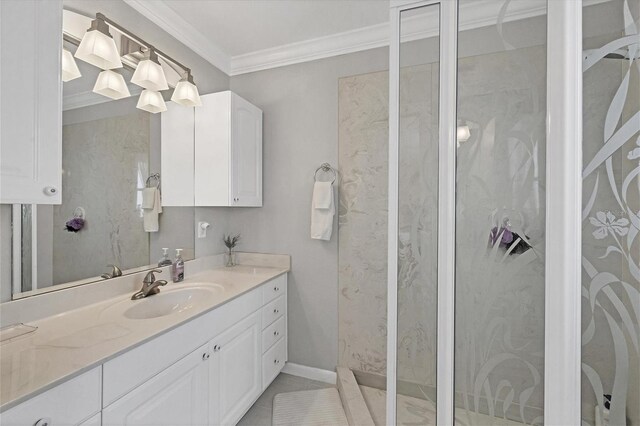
x=309, y=408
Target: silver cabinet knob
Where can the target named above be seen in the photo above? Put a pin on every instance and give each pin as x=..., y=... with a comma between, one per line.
x=276, y=288
x=276, y=361
x=45, y=421
x=205, y=356
x=275, y=311
x=216, y=348
x=50, y=191
x=276, y=333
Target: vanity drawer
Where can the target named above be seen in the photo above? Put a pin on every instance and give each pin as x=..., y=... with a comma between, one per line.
x=274, y=288
x=273, y=361
x=67, y=404
x=273, y=333
x=273, y=311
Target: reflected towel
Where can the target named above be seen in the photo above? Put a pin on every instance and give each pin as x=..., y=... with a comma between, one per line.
x=151, y=208
x=322, y=211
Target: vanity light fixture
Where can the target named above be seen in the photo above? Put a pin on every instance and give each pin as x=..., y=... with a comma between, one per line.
x=70, y=69
x=112, y=85
x=149, y=73
x=151, y=101
x=97, y=46
x=186, y=92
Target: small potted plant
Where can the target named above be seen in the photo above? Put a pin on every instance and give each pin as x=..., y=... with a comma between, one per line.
x=231, y=242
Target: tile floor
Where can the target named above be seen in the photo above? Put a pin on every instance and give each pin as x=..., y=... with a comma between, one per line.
x=260, y=413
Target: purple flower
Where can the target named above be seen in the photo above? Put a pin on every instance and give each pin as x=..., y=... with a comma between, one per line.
x=75, y=224
x=507, y=236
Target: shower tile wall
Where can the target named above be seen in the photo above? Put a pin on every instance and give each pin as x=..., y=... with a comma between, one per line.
x=101, y=161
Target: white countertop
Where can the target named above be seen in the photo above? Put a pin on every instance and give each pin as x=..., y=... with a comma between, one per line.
x=68, y=344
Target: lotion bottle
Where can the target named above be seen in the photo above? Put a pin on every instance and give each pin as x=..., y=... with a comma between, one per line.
x=177, y=269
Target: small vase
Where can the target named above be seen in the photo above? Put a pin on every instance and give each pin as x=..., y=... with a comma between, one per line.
x=231, y=259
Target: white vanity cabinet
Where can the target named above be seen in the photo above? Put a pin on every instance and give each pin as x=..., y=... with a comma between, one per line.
x=208, y=371
x=179, y=395
x=31, y=102
x=71, y=403
x=236, y=379
x=241, y=348
x=212, y=154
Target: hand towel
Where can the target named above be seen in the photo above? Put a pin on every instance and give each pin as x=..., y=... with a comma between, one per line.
x=322, y=211
x=151, y=208
x=322, y=195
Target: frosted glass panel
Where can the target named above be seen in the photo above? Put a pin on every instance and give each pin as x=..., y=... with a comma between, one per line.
x=418, y=215
x=611, y=214
x=500, y=216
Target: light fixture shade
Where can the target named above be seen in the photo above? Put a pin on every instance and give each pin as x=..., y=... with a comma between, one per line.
x=186, y=93
x=463, y=133
x=149, y=74
x=70, y=69
x=112, y=85
x=151, y=101
x=99, y=49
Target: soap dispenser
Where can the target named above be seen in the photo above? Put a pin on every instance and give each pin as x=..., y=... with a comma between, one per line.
x=165, y=261
x=177, y=269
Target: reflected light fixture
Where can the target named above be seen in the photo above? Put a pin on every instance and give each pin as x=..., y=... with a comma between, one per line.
x=70, y=69
x=186, y=92
x=112, y=85
x=151, y=101
x=149, y=73
x=97, y=46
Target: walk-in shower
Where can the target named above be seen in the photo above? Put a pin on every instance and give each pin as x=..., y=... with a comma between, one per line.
x=512, y=297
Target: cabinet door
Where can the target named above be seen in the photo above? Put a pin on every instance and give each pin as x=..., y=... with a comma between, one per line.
x=236, y=371
x=31, y=102
x=177, y=155
x=177, y=396
x=246, y=154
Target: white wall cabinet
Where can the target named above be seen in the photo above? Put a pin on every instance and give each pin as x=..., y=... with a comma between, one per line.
x=228, y=147
x=177, y=155
x=235, y=371
x=177, y=396
x=31, y=102
x=223, y=137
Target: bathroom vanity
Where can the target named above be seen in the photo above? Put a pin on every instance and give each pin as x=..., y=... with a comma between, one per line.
x=199, y=352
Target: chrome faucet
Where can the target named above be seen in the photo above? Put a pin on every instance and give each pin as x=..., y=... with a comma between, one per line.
x=149, y=285
x=115, y=272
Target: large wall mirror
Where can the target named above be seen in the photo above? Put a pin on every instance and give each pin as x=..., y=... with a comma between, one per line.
x=110, y=153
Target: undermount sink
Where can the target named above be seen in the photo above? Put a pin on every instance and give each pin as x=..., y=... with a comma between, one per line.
x=171, y=302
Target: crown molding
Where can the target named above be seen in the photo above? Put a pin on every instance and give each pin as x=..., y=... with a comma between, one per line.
x=477, y=14
x=167, y=19
x=88, y=98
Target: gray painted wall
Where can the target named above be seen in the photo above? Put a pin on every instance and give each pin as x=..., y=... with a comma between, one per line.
x=300, y=104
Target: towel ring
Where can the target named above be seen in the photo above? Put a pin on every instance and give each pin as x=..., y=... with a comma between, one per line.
x=155, y=176
x=325, y=167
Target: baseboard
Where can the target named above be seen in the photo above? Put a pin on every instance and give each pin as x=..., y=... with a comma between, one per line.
x=310, y=373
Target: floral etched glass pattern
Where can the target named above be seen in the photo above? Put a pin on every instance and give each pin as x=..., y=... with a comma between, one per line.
x=611, y=214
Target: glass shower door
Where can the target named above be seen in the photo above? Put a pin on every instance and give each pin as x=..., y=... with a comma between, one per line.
x=611, y=214
x=500, y=215
x=417, y=273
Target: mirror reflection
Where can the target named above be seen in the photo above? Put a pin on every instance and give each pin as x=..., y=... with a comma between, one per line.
x=110, y=219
